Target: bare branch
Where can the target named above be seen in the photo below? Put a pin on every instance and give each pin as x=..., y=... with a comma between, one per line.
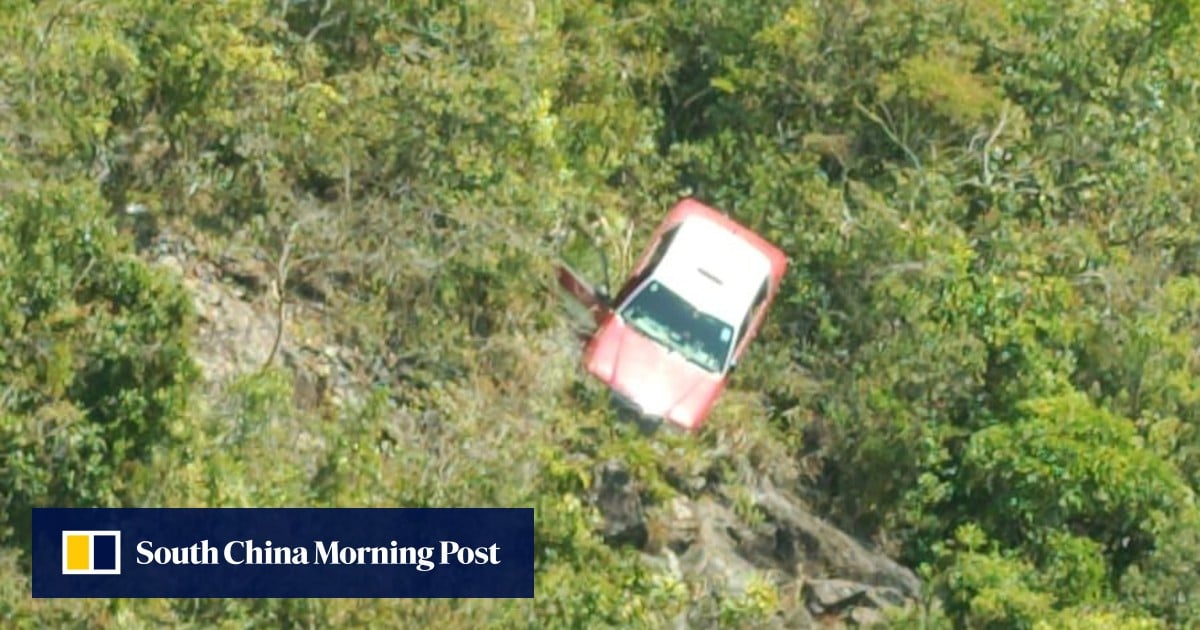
x=987, y=146
x=322, y=23
x=87, y=269
x=279, y=286
x=887, y=129
x=911, y=266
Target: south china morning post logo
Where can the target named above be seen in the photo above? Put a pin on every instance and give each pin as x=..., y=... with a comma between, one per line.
x=283, y=552
x=98, y=553
x=251, y=552
x=91, y=552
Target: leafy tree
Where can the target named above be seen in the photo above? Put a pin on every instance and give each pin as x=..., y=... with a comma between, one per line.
x=94, y=354
x=982, y=358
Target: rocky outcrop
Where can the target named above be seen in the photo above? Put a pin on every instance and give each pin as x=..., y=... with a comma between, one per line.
x=238, y=319
x=618, y=498
x=829, y=573
x=825, y=550
x=237, y=324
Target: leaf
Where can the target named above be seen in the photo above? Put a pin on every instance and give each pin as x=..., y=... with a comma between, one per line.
x=723, y=84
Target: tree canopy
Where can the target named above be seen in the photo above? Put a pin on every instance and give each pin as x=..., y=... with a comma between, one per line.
x=984, y=358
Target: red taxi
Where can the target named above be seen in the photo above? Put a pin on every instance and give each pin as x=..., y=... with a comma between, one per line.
x=667, y=342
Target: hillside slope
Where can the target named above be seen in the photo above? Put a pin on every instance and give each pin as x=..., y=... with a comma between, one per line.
x=696, y=537
x=982, y=366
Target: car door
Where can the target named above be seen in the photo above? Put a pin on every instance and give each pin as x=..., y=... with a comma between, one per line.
x=582, y=291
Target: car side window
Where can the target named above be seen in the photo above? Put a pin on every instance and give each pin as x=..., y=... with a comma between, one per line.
x=660, y=250
x=755, y=307
x=663, y=245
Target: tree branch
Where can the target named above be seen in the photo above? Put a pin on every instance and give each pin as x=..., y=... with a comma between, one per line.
x=887, y=129
x=279, y=287
x=987, y=146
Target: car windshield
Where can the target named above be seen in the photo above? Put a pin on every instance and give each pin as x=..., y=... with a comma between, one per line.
x=660, y=314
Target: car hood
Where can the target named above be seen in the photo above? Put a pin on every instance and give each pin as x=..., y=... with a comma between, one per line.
x=657, y=381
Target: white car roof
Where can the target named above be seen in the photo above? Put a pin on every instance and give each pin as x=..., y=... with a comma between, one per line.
x=714, y=269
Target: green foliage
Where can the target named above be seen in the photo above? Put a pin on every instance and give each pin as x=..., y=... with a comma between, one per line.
x=991, y=591
x=984, y=352
x=94, y=357
x=985, y=588
x=753, y=608
x=1069, y=465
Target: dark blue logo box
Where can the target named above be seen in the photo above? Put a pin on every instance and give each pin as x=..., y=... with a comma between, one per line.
x=284, y=552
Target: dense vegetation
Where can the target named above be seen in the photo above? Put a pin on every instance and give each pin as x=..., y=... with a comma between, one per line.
x=984, y=360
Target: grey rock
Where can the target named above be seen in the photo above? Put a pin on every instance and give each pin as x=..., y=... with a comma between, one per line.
x=833, y=595
x=681, y=525
x=817, y=569
x=886, y=597
x=863, y=617
x=825, y=550
x=617, y=498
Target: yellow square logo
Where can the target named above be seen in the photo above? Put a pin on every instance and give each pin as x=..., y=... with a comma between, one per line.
x=91, y=552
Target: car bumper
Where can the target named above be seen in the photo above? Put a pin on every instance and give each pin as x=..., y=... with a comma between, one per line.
x=625, y=404
x=630, y=411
